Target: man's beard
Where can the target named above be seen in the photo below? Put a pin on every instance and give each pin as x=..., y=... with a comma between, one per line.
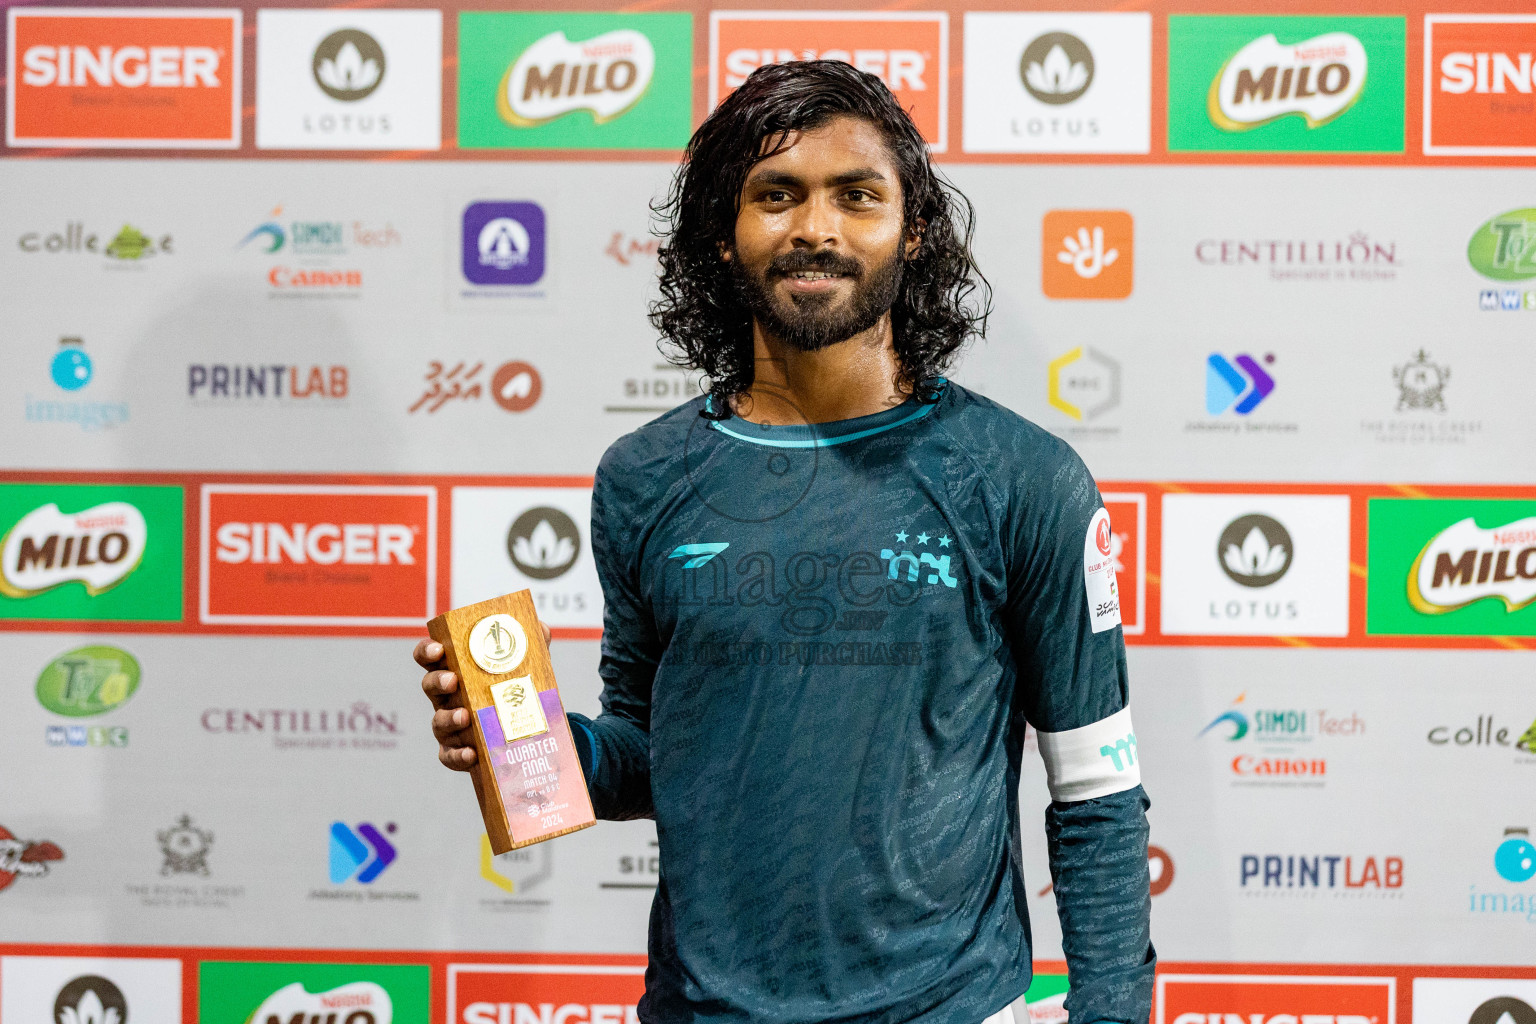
x=811, y=322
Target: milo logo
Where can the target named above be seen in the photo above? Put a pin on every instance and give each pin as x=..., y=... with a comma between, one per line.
x=605, y=75
x=98, y=546
x=88, y=681
x=1504, y=247
x=1316, y=79
x=1465, y=563
x=359, y=1002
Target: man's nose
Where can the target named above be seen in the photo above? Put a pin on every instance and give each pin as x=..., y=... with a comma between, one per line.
x=817, y=224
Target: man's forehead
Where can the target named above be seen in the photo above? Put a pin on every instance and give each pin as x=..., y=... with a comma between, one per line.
x=834, y=149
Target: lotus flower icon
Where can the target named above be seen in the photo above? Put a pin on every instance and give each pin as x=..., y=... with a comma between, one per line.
x=348, y=64
x=1056, y=68
x=544, y=543
x=1254, y=550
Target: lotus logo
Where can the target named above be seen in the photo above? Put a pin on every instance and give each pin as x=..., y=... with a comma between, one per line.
x=1316, y=79
x=90, y=999
x=348, y=65
x=1056, y=68
x=543, y=543
x=1254, y=550
x=1503, y=1010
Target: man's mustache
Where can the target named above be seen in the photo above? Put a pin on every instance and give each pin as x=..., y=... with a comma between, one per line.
x=825, y=261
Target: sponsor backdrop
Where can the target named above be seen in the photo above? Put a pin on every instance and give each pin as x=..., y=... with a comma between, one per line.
x=318, y=320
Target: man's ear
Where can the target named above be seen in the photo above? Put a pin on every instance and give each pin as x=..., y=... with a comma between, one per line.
x=914, y=240
x=725, y=252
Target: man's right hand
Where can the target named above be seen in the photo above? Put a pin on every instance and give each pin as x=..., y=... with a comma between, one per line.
x=455, y=743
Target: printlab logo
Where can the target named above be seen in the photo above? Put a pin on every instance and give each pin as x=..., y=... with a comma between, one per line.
x=1084, y=384
x=503, y=243
x=1086, y=254
x=1478, y=79
x=574, y=81
x=1237, y=385
x=543, y=543
x=185, y=847
x=515, y=386
x=1378, y=877
x=24, y=858
x=90, y=999
x=1503, y=248
x=1254, y=550
x=228, y=383
x=1285, y=83
x=348, y=65
x=359, y=854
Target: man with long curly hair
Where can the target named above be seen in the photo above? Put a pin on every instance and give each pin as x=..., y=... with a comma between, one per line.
x=836, y=588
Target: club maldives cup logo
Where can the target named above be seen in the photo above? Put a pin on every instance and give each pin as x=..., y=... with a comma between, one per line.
x=1285, y=83
x=574, y=81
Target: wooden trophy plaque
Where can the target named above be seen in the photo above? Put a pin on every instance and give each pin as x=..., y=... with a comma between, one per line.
x=527, y=776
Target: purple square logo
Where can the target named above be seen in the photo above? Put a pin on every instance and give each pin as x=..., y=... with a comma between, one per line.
x=503, y=243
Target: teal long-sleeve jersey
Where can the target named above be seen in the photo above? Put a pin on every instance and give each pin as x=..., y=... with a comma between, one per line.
x=821, y=647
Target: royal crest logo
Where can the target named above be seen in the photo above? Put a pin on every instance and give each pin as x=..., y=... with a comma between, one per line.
x=1316, y=79
x=1421, y=383
x=605, y=75
x=186, y=848
x=1465, y=563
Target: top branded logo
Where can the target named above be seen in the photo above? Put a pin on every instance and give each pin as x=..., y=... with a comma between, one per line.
x=574, y=81
x=1086, y=254
x=909, y=52
x=1478, y=84
x=1285, y=83
x=102, y=77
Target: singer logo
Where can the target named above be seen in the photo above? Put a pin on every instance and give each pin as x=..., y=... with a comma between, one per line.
x=909, y=52
x=1273, y=999
x=1480, y=84
x=107, y=78
x=318, y=556
x=544, y=993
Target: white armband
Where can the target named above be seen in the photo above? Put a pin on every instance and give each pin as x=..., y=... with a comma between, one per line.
x=1095, y=760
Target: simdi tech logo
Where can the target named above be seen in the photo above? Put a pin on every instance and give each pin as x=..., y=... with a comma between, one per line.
x=124, y=78
x=908, y=51
x=1451, y=567
x=1479, y=84
x=575, y=81
x=231, y=992
x=349, y=79
x=1273, y=84
x=317, y=555
x=1058, y=83
x=1087, y=254
x=90, y=551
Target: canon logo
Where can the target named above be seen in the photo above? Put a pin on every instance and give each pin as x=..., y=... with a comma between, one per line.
x=1486, y=72
x=287, y=277
x=549, y=1013
x=1278, y=1018
x=321, y=543
x=159, y=67
x=1245, y=764
x=898, y=69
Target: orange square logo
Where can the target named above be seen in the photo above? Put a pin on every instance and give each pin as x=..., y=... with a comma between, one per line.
x=1086, y=254
x=908, y=51
x=1127, y=528
x=586, y=993
x=318, y=555
x=1479, y=85
x=113, y=78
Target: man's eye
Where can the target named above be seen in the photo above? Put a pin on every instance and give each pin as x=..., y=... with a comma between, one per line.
x=858, y=195
x=776, y=196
